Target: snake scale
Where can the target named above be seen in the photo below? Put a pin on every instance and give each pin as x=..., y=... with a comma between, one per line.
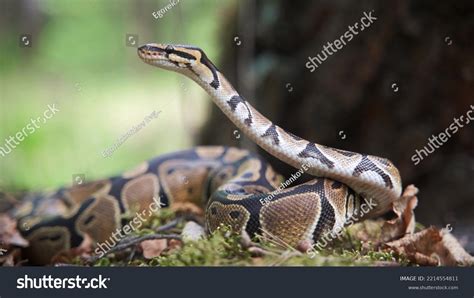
x=224, y=184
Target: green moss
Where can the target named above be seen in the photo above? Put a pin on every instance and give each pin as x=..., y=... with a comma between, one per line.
x=222, y=248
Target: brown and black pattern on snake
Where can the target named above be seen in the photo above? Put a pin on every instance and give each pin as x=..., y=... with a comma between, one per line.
x=215, y=83
x=95, y=208
x=272, y=133
x=300, y=212
x=234, y=101
x=312, y=151
x=232, y=182
x=366, y=165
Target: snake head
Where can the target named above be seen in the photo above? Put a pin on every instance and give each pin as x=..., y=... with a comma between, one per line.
x=188, y=60
x=171, y=57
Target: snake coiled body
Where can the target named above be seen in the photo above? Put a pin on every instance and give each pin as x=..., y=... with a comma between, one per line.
x=232, y=186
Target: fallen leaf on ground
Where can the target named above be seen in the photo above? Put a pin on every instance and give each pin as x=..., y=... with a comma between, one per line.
x=153, y=248
x=404, y=222
x=9, y=234
x=174, y=244
x=8, y=260
x=432, y=247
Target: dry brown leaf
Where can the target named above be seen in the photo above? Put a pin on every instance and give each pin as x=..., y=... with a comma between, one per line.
x=174, y=244
x=404, y=222
x=153, y=248
x=8, y=260
x=432, y=247
x=9, y=234
x=452, y=253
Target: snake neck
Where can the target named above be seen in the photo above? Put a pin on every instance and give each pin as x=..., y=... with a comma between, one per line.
x=370, y=176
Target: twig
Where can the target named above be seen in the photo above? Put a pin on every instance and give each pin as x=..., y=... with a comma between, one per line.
x=169, y=225
x=131, y=241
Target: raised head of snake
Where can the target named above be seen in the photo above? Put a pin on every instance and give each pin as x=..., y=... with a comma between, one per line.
x=187, y=60
x=370, y=176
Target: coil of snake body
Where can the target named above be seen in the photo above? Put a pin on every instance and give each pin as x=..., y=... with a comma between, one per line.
x=233, y=186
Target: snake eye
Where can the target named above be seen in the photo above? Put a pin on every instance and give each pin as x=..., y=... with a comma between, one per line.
x=169, y=48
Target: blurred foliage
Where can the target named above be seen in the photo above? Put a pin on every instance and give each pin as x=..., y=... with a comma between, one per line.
x=79, y=60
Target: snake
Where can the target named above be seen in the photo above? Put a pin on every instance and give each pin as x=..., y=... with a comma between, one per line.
x=225, y=185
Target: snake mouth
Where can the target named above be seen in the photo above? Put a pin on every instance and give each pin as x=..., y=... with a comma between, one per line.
x=175, y=58
x=151, y=52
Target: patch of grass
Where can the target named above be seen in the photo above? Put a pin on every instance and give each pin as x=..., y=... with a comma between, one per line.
x=225, y=248
x=221, y=248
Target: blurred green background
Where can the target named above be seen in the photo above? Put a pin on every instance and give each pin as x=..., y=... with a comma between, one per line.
x=79, y=60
